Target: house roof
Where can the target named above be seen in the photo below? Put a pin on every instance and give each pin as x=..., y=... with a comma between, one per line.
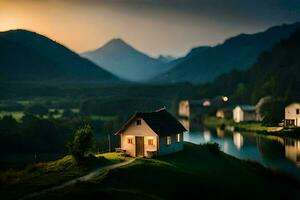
x=248, y=108
x=160, y=121
x=291, y=104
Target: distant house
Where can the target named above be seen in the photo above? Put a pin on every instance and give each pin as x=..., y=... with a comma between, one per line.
x=292, y=115
x=224, y=113
x=191, y=111
x=190, y=108
x=153, y=133
x=244, y=113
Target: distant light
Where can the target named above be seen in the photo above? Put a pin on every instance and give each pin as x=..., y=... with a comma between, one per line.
x=225, y=98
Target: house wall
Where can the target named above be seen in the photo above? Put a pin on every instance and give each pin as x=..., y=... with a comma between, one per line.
x=250, y=116
x=238, y=115
x=291, y=114
x=184, y=109
x=138, y=130
x=165, y=149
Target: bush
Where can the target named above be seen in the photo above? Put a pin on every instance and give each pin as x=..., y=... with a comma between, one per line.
x=83, y=143
x=214, y=148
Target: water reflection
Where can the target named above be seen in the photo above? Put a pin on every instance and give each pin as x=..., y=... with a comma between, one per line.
x=206, y=135
x=292, y=150
x=271, y=151
x=238, y=140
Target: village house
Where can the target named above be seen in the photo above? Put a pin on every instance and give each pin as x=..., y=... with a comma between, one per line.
x=244, y=113
x=292, y=115
x=151, y=134
x=224, y=113
x=190, y=108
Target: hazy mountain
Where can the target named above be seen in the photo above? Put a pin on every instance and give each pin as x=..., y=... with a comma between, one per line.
x=28, y=56
x=126, y=62
x=204, y=64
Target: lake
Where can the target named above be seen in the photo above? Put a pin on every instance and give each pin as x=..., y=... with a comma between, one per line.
x=273, y=152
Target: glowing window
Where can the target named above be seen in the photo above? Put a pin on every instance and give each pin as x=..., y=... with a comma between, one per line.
x=129, y=140
x=178, y=137
x=150, y=142
x=169, y=140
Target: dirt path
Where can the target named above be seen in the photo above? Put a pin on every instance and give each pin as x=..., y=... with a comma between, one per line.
x=82, y=178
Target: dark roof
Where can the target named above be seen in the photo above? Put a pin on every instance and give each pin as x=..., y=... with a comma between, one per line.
x=160, y=121
x=248, y=108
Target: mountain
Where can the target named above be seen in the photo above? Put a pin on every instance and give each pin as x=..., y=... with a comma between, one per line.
x=28, y=56
x=204, y=64
x=276, y=74
x=126, y=62
x=166, y=58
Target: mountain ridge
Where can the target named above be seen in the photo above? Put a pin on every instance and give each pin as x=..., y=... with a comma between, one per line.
x=27, y=55
x=123, y=60
x=204, y=64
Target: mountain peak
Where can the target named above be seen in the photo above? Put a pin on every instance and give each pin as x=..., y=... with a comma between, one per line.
x=117, y=43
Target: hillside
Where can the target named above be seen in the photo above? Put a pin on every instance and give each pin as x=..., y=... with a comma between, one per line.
x=28, y=56
x=204, y=64
x=276, y=73
x=126, y=62
x=197, y=172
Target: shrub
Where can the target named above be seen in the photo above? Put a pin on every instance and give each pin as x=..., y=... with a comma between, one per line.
x=83, y=143
x=214, y=148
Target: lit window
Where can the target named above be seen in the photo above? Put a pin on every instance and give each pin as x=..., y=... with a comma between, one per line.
x=129, y=140
x=138, y=122
x=178, y=137
x=298, y=111
x=169, y=140
x=150, y=142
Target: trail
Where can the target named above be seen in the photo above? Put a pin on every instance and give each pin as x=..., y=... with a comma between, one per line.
x=86, y=177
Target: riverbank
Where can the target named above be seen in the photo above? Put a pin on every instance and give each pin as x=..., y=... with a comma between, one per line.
x=199, y=171
x=251, y=127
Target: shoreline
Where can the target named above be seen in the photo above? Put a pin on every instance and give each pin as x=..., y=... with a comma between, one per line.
x=256, y=127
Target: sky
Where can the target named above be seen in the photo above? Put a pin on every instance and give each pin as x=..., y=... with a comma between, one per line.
x=169, y=27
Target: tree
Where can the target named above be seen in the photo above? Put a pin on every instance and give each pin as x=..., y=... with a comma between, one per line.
x=83, y=143
x=37, y=110
x=272, y=111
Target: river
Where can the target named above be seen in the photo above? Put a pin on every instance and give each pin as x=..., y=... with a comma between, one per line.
x=273, y=152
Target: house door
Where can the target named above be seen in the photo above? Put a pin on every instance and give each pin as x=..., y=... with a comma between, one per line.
x=139, y=146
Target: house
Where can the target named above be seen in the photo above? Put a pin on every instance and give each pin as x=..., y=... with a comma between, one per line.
x=292, y=115
x=192, y=111
x=224, y=113
x=190, y=108
x=244, y=113
x=152, y=133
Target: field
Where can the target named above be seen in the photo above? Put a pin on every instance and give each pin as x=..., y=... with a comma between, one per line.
x=199, y=171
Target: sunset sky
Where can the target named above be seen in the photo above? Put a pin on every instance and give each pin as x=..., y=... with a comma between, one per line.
x=152, y=26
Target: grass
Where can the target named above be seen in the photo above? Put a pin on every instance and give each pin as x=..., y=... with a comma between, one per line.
x=102, y=118
x=16, y=183
x=19, y=114
x=199, y=172
x=16, y=114
x=243, y=126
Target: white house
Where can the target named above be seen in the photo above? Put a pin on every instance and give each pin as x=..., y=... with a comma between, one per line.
x=292, y=115
x=244, y=113
x=153, y=133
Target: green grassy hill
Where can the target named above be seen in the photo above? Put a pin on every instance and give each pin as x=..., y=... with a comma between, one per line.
x=198, y=172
